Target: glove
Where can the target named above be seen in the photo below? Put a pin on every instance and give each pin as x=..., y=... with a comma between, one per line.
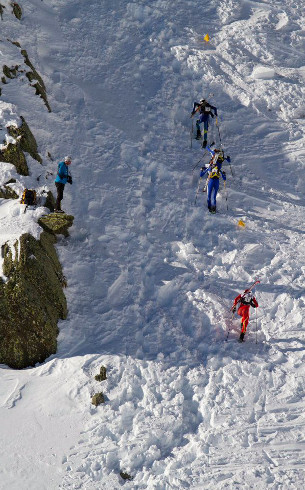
x=233, y=309
x=215, y=111
x=69, y=179
x=228, y=159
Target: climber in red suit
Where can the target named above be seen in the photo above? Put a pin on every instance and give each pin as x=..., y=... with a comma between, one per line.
x=244, y=300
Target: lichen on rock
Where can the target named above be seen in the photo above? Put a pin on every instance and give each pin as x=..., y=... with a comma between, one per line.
x=12, y=153
x=102, y=376
x=31, y=301
x=98, y=399
x=56, y=223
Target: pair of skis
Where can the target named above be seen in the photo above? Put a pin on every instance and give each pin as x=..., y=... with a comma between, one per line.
x=247, y=290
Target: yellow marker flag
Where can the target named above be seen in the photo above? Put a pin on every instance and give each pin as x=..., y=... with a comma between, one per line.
x=241, y=223
x=206, y=38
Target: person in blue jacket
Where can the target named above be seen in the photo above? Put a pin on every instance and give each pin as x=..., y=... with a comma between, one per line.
x=61, y=179
x=214, y=172
x=204, y=109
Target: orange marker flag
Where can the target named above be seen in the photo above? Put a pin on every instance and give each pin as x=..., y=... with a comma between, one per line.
x=206, y=38
x=241, y=223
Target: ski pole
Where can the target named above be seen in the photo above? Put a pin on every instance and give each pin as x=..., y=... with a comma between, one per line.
x=218, y=131
x=230, y=326
x=256, y=323
x=197, y=190
x=199, y=161
x=226, y=194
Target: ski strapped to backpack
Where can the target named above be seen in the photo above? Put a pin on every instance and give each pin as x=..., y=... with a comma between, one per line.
x=247, y=290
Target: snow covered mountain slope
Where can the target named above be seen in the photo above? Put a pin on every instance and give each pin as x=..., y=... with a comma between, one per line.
x=151, y=275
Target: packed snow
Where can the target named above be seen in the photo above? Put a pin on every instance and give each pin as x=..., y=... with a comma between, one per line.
x=152, y=275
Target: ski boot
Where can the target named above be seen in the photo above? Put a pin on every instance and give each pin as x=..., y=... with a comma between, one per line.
x=241, y=337
x=198, y=135
x=204, y=143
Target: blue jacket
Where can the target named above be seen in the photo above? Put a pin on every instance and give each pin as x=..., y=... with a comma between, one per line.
x=62, y=173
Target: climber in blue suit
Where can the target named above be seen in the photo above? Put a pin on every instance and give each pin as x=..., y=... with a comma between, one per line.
x=214, y=172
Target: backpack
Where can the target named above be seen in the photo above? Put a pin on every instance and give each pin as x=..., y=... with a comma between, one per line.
x=215, y=172
x=28, y=197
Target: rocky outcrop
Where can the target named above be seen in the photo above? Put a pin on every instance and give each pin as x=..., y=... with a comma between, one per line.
x=31, y=301
x=56, y=223
x=17, y=11
x=15, y=71
x=97, y=399
x=25, y=138
x=25, y=142
x=6, y=192
x=33, y=75
x=102, y=376
x=12, y=153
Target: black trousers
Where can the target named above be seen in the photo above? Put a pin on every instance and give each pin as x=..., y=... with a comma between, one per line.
x=60, y=194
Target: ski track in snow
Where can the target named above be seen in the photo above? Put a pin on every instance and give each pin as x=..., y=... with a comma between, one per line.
x=151, y=276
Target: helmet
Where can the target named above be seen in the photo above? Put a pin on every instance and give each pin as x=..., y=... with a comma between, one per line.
x=68, y=159
x=247, y=296
x=202, y=101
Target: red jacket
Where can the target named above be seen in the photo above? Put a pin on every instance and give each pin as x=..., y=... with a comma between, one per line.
x=243, y=302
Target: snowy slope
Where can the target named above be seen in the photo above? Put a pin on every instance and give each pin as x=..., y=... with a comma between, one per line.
x=152, y=276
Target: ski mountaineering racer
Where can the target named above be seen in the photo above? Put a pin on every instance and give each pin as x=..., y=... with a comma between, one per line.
x=204, y=109
x=245, y=300
x=214, y=171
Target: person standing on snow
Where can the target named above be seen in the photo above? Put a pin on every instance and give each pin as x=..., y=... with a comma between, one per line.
x=61, y=179
x=245, y=300
x=204, y=109
x=214, y=171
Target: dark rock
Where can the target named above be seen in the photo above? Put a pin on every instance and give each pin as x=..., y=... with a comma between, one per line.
x=102, y=376
x=31, y=302
x=98, y=399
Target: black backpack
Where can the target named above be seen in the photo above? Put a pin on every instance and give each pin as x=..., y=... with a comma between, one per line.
x=28, y=197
